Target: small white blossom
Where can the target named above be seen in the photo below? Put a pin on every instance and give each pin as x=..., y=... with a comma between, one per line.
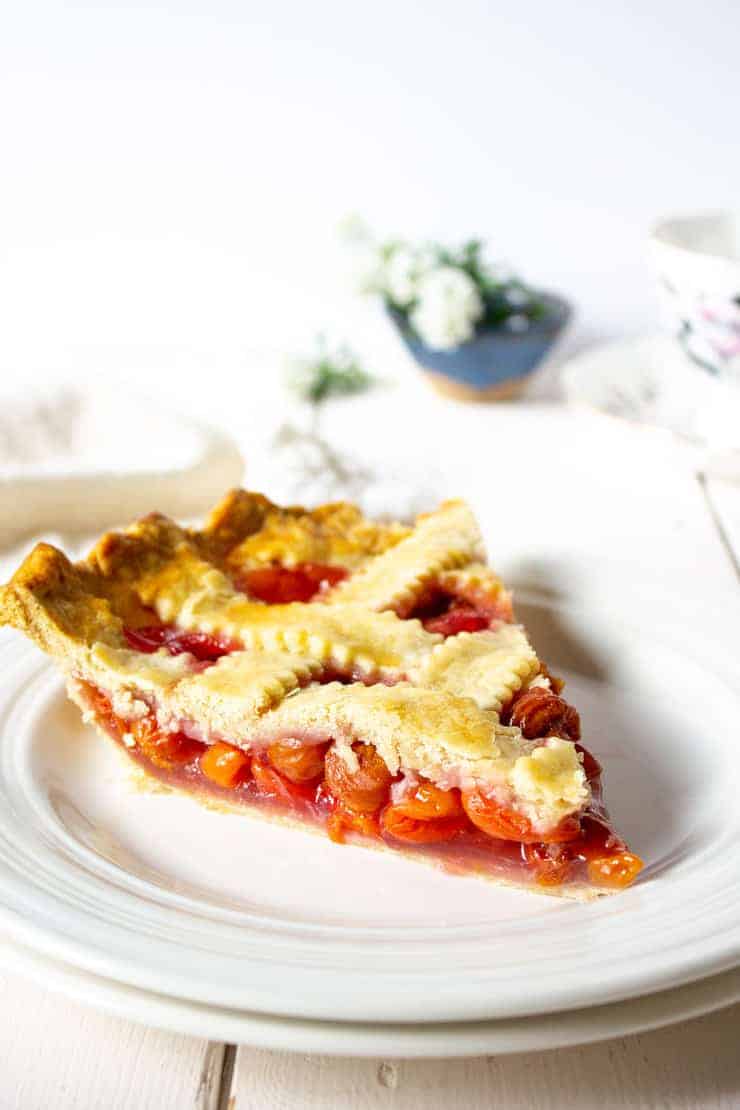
x=448, y=307
x=365, y=268
x=400, y=276
x=404, y=270
x=427, y=258
x=354, y=229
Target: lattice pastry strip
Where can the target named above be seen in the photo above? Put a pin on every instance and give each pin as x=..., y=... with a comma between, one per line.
x=475, y=582
x=174, y=580
x=488, y=667
x=231, y=695
x=442, y=540
x=345, y=635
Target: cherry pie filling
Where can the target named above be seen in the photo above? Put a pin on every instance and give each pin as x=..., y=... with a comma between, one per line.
x=202, y=645
x=448, y=613
x=279, y=585
x=468, y=830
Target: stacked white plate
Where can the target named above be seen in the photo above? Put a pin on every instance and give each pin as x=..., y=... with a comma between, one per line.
x=154, y=907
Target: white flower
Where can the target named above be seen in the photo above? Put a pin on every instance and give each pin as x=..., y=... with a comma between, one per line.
x=353, y=229
x=403, y=271
x=448, y=307
x=365, y=268
x=400, y=277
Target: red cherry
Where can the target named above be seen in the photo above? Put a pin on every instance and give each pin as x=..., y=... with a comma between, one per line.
x=205, y=647
x=277, y=585
x=591, y=765
x=460, y=618
x=202, y=645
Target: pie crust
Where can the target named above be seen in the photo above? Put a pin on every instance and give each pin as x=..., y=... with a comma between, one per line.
x=395, y=702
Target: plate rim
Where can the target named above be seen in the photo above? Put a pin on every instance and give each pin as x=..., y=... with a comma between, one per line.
x=453, y=1040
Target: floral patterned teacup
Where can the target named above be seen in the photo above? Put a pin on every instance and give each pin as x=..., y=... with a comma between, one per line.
x=697, y=259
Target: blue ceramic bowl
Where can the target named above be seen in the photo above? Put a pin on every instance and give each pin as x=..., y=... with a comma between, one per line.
x=494, y=364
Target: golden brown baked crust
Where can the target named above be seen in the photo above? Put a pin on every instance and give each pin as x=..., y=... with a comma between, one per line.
x=441, y=717
x=57, y=603
x=247, y=529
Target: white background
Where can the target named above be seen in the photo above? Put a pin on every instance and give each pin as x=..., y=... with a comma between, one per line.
x=172, y=175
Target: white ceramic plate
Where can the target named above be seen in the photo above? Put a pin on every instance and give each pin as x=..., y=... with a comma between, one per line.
x=530, y=1034
x=158, y=892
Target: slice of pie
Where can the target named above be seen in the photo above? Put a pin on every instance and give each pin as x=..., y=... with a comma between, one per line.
x=361, y=678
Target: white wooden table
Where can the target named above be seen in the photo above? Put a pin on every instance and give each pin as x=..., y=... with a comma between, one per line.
x=61, y=1055
x=57, y=1054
